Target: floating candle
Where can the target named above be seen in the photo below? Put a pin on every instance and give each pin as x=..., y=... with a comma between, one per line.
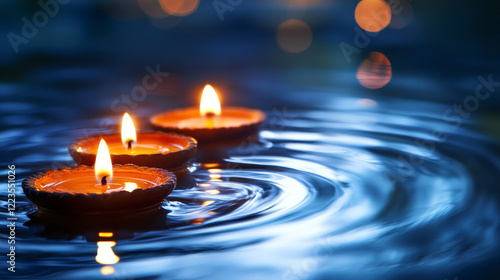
x=162, y=150
x=210, y=122
x=105, y=187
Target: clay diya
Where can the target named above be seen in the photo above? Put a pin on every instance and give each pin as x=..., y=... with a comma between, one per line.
x=209, y=122
x=102, y=188
x=155, y=149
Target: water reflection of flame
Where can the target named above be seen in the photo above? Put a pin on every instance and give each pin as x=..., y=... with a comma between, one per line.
x=212, y=191
x=105, y=254
x=214, y=174
x=375, y=72
x=107, y=270
x=206, y=203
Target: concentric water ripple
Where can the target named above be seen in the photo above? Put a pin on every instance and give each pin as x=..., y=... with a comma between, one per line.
x=342, y=193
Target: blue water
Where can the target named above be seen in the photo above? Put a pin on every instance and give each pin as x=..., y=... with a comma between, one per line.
x=342, y=182
x=347, y=188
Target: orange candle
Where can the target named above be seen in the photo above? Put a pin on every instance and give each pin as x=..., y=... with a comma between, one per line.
x=162, y=150
x=210, y=122
x=104, y=187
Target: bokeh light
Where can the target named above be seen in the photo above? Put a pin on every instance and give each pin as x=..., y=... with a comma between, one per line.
x=179, y=7
x=373, y=15
x=375, y=72
x=294, y=36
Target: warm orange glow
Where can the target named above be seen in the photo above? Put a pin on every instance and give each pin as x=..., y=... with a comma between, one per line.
x=375, y=72
x=130, y=186
x=373, y=15
x=213, y=191
x=105, y=254
x=107, y=270
x=179, y=7
x=214, y=170
x=105, y=234
x=128, y=131
x=79, y=149
x=198, y=221
x=211, y=165
x=214, y=174
x=103, y=166
x=215, y=177
x=294, y=36
x=206, y=203
x=209, y=104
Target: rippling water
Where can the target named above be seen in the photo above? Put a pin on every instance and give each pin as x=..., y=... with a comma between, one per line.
x=359, y=190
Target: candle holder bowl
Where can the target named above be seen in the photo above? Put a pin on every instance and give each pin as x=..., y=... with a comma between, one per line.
x=168, y=160
x=122, y=201
x=252, y=120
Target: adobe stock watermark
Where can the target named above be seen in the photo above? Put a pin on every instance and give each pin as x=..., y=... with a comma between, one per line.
x=11, y=220
x=31, y=27
x=222, y=6
x=362, y=39
x=128, y=101
x=455, y=115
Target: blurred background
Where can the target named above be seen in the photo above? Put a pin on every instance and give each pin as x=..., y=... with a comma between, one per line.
x=351, y=90
x=425, y=50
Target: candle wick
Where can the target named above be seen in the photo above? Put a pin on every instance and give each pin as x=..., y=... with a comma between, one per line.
x=129, y=146
x=210, y=114
x=104, y=182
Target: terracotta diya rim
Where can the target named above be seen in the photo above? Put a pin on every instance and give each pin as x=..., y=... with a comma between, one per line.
x=171, y=159
x=206, y=134
x=191, y=142
x=118, y=201
x=260, y=117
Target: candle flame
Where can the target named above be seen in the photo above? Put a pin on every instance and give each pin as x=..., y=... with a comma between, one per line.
x=128, y=131
x=105, y=254
x=103, y=167
x=209, y=104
